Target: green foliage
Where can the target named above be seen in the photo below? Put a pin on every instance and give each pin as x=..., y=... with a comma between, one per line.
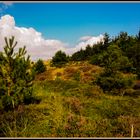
x=119, y=53
x=15, y=75
x=98, y=59
x=106, y=41
x=124, y=41
x=39, y=66
x=134, y=56
x=91, y=50
x=61, y=113
x=87, y=53
x=79, y=56
x=115, y=83
x=60, y=59
x=112, y=59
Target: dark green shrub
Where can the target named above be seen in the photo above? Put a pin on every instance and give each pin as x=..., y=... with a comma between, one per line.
x=97, y=59
x=112, y=59
x=39, y=67
x=60, y=59
x=114, y=82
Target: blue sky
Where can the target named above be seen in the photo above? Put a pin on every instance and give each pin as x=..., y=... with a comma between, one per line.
x=69, y=21
x=45, y=28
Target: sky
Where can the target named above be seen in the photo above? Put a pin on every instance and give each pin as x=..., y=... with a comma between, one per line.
x=48, y=27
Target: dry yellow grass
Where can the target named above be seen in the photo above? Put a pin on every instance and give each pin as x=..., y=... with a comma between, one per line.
x=86, y=71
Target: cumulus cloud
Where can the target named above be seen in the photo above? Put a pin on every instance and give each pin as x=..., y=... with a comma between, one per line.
x=84, y=41
x=36, y=45
x=89, y=40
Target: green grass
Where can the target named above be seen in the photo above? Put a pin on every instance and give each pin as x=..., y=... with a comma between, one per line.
x=70, y=108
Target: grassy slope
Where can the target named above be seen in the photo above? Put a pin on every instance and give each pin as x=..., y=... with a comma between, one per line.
x=71, y=106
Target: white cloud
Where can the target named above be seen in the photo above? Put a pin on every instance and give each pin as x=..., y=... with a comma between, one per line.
x=89, y=40
x=37, y=46
x=85, y=38
x=84, y=41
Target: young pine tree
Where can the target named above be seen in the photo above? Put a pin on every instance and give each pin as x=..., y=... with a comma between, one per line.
x=16, y=76
x=39, y=67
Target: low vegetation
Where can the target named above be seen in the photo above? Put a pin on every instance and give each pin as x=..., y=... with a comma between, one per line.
x=93, y=93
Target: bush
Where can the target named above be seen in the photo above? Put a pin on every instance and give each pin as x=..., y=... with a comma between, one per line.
x=60, y=59
x=112, y=59
x=114, y=82
x=39, y=67
x=97, y=59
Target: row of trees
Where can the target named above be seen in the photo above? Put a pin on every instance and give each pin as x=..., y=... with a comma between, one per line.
x=117, y=55
x=121, y=52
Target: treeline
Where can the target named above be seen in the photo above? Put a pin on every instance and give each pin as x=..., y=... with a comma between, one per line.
x=118, y=56
x=122, y=51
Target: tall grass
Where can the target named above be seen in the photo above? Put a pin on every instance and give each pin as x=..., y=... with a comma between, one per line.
x=73, y=109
